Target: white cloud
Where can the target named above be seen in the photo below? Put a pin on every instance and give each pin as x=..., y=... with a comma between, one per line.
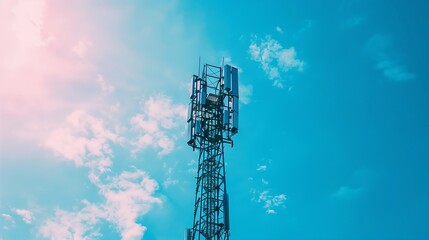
x=126, y=197
x=158, y=124
x=271, y=202
x=261, y=168
x=169, y=182
x=26, y=215
x=74, y=225
x=7, y=216
x=162, y=109
x=279, y=30
x=261, y=191
x=271, y=211
x=274, y=59
x=380, y=47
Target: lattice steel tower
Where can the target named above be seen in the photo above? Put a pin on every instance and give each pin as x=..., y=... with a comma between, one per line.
x=212, y=121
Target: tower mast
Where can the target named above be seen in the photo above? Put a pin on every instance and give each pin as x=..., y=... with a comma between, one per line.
x=212, y=121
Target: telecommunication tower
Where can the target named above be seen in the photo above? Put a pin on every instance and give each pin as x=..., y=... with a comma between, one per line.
x=212, y=121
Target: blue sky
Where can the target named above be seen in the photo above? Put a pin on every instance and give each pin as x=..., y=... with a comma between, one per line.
x=334, y=118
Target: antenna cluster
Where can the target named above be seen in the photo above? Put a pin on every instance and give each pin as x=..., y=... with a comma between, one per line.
x=213, y=91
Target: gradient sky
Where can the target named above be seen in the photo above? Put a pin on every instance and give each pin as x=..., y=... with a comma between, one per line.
x=334, y=117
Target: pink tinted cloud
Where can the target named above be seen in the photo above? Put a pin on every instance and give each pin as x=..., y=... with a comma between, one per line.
x=36, y=55
x=84, y=140
x=48, y=51
x=25, y=214
x=125, y=198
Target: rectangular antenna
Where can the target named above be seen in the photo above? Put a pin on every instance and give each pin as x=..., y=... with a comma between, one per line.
x=197, y=127
x=226, y=118
x=203, y=96
x=193, y=86
x=191, y=135
x=227, y=78
x=190, y=111
x=235, y=93
x=188, y=234
x=234, y=81
x=235, y=116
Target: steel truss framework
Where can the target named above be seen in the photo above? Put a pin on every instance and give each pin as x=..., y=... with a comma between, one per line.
x=211, y=108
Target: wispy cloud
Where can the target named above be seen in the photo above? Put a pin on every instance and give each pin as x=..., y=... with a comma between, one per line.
x=6, y=216
x=261, y=191
x=274, y=59
x=6, y=221
x=380, y=47
x=169, y=181
x=279, y=29
x=106, y=88
x=264, y=181
x=357, y=184
x=192, y=167
x=261, y=168
x=25, y=214
x=81, y=47
x=271, y=202
x=394, y=71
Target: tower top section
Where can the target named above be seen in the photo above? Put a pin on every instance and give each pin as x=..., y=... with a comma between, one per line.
x=214, y=101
